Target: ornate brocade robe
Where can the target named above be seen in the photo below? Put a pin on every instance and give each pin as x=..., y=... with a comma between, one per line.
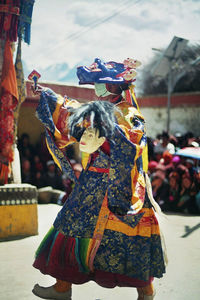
x=108, y=236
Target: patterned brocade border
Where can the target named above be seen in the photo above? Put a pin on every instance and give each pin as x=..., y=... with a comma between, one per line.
x=18, y=196
x=18, y=202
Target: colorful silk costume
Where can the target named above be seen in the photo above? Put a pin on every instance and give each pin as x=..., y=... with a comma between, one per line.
x=98, y=235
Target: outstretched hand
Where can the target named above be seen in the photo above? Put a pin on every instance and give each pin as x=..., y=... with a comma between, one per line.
x=37, y=90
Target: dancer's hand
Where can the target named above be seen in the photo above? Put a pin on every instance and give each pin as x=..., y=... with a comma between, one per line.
x=135, y=208
x=38, y=89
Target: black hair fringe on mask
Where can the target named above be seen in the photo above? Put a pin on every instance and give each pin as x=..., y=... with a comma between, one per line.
x=99, y=114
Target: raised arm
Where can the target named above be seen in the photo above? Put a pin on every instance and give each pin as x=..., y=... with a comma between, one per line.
x=52, y=111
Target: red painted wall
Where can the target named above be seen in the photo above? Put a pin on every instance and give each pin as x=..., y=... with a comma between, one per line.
x=84, y=94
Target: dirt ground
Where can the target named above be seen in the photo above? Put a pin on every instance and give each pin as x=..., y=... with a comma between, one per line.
x=181, y=281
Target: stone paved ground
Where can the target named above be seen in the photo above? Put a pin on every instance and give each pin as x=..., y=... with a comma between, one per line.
x=181, y=282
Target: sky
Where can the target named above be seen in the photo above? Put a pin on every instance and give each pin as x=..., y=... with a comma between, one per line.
x=74, y=32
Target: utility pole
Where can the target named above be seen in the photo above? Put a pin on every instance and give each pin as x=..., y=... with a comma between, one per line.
x=169, y=91
x=164, y=68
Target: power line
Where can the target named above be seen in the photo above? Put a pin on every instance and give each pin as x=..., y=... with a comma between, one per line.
x=94, y=24
x=97, y=22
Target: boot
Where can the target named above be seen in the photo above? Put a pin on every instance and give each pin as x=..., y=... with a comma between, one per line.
x=51, y=293
x=146, y=293
x=146, y=297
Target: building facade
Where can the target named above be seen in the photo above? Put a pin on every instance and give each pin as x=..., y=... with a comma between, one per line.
x=184, y=112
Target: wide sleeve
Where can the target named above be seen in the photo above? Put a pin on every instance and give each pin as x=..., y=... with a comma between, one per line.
x=126, y=190
x=123, y=155
x=52, y=111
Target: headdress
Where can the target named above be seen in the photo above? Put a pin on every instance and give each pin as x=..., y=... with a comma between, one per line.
x=108, y=72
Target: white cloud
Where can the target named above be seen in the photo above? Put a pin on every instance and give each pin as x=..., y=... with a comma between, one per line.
x=67, y=31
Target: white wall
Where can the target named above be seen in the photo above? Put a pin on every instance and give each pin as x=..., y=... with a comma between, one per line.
x=182, y=118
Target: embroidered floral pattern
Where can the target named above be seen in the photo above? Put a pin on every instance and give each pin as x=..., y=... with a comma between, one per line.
x=127, y=244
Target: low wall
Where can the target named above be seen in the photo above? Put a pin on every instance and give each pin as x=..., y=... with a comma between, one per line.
x=184, y=112
x=18, y=211
x=183, y=119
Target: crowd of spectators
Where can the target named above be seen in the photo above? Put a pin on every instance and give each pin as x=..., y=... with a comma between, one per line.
x=38, y=168
x=175, y=179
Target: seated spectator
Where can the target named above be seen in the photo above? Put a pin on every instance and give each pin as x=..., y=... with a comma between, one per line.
x=42, y=150
x=174, y=190
x=51, y=178
x=165, y=163
x=160, y=188
x=188, y=137
x=37, y=164
x=180, y=172
x=189, y=163
x=174, y=141
x=197, y=196
x=68, y=189
x=178, y=166
x=167, y=157
x=77, y=169
x=197, y=179
x=176, y=160
x=26, y=173
x=179, y=139
x=68, y=183
x=26, y=149
x=38, y=179
x=193, y=143
x=164, y=144
x=152, y=166
x=187, y=196
x=158, y=154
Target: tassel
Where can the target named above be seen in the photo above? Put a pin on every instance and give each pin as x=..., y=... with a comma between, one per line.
x=83, y=249
x=24, y=27
x=52, y=247
x=9, y=17
x=151, y=198
x=77, y=254
x=45, y=241
x=160, y=213
x=93, y=252
x=4, y=170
